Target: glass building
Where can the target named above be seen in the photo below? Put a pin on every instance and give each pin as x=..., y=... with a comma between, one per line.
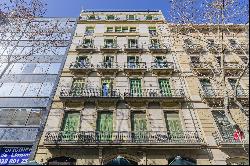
x=32, y=54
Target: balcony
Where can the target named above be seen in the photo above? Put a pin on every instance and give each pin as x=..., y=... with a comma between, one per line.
x=212, y=96
x=232, y=68
x=135, y=68
x=89, y=94
x=162, y=68
x=151, y=95
x=242, y=95
x=110, y=48
x=133, y=48
x=81, y=68
x=86, y=48
x=107, y=68
x=193, y=48
x=228, y=140
x=161, y=139
x=214, y=48
x=157, y=48
x=202, y=68
x=240, y=48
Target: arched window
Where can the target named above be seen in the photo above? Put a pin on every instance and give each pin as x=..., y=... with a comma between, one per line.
x=178, y=160
x=62, y=161
x=119, y=160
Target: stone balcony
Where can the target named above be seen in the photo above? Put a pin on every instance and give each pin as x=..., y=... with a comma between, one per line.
x=162, y=68
x=136, y=48
x=228, y=140
x=86, y=48
x=161, y=139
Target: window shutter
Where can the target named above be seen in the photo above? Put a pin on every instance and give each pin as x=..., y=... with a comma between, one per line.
x=173, y=122
x=71, y=122
x=165, y=87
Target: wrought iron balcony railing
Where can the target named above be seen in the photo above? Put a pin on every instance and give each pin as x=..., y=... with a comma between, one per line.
x=107, y=65
x=218, y=93
x=123, y=137
x=233, y=65
x=162, y=65
x=135, y=65
x=133, y=48
x=80, y=65
x=214, y=48
x=89, y=92
x=87, y=47
x=239, y=48
x=228, y=139
x=193, y=48
x=157, y=48
x=155, y=93
x=201, y=65
x=240, y=93
x=110, y=48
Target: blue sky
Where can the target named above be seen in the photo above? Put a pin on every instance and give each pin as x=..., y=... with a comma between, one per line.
x=72, y=8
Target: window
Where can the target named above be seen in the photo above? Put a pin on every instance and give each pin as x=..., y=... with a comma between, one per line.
x=110, y=29
x=195, y=59
x=28, y=68
x=207, y=87
x=135, y=87
x=149, y=17
x=125, y=29
x=46, y=89
x=20, y=117
x=165, y=88
x=92, y=17
x=132, y=43
x=109, y=43
x=218, y=59
x=173, y=123
x=108, y=61
x=232, y=42
x=131, y=17
x=239, y=91
x=71, y=121
x=110, y=17
x=243, y=58
x=133, y=61
x=152, y=31
x=77, y=86
x=89, y=30
x=138, y=126
x=225, y=128
x=105, y=125
x=87, y=43
x=118, y=29
x=106, y=87
x=155, y=44
x=132, y=29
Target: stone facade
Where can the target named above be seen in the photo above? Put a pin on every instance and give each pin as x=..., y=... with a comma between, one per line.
x=178, y=116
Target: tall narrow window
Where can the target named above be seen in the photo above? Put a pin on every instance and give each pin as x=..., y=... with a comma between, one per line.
x=138, y=126
x=155, y=43
x=173, y=122
x=106, y=87
x=70, y=125
x=165, y=87
x=108, y=61
x=239, y=90
x=133, y=61
x=109, y=43
x=207, y=87
x=225, y=128
x=132, y=43
x=152, y=31
x=77, y=87
x=135, y=87
x=105, y=125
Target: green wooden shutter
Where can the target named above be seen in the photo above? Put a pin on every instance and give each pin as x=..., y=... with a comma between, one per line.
x=165, y=87
x=135, y=87
x=77, y=87
x=173, y=123
x=105, y=125
x=139, y=126
x=71, y=125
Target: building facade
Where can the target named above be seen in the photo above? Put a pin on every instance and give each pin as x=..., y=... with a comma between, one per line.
x=32, y=54
x=136, y=89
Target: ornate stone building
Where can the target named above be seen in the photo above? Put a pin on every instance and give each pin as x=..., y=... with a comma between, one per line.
x=136, y=89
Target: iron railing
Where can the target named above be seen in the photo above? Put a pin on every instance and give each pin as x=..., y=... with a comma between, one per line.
x=218, y=93
x=239, y=48
x=192, y=48
x=107, y=65
x=133, y=47
x=233, y=65
x=135, y=65
x=154, y=93
x=162, y=65
x=89, y=92
x=81, y=65
x=228, y=138
x=201, y=65
x=122, y=137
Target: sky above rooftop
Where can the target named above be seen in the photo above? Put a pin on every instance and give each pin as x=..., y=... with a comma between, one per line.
x=72, y=8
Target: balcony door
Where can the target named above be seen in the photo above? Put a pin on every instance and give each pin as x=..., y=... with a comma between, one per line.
x=109, y=43
x=173, y=123
x=77, y=87
x=139, y=126
x=225, y=128
x=207, y=87
x=135, y=87
x=71, y=125
x=108, y=61
x=105, y=126
x=165, y=87
x=132, y=43
x=133, y=61
x=106, y=87
x=239, y=91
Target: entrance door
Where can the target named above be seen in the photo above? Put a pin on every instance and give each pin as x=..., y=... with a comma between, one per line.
x=139, y=127
x=165, y=87
x=70, y=126
x=105, y=126
x=135, y=87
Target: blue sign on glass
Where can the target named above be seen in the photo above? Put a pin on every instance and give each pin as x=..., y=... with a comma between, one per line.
x=14, y=155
